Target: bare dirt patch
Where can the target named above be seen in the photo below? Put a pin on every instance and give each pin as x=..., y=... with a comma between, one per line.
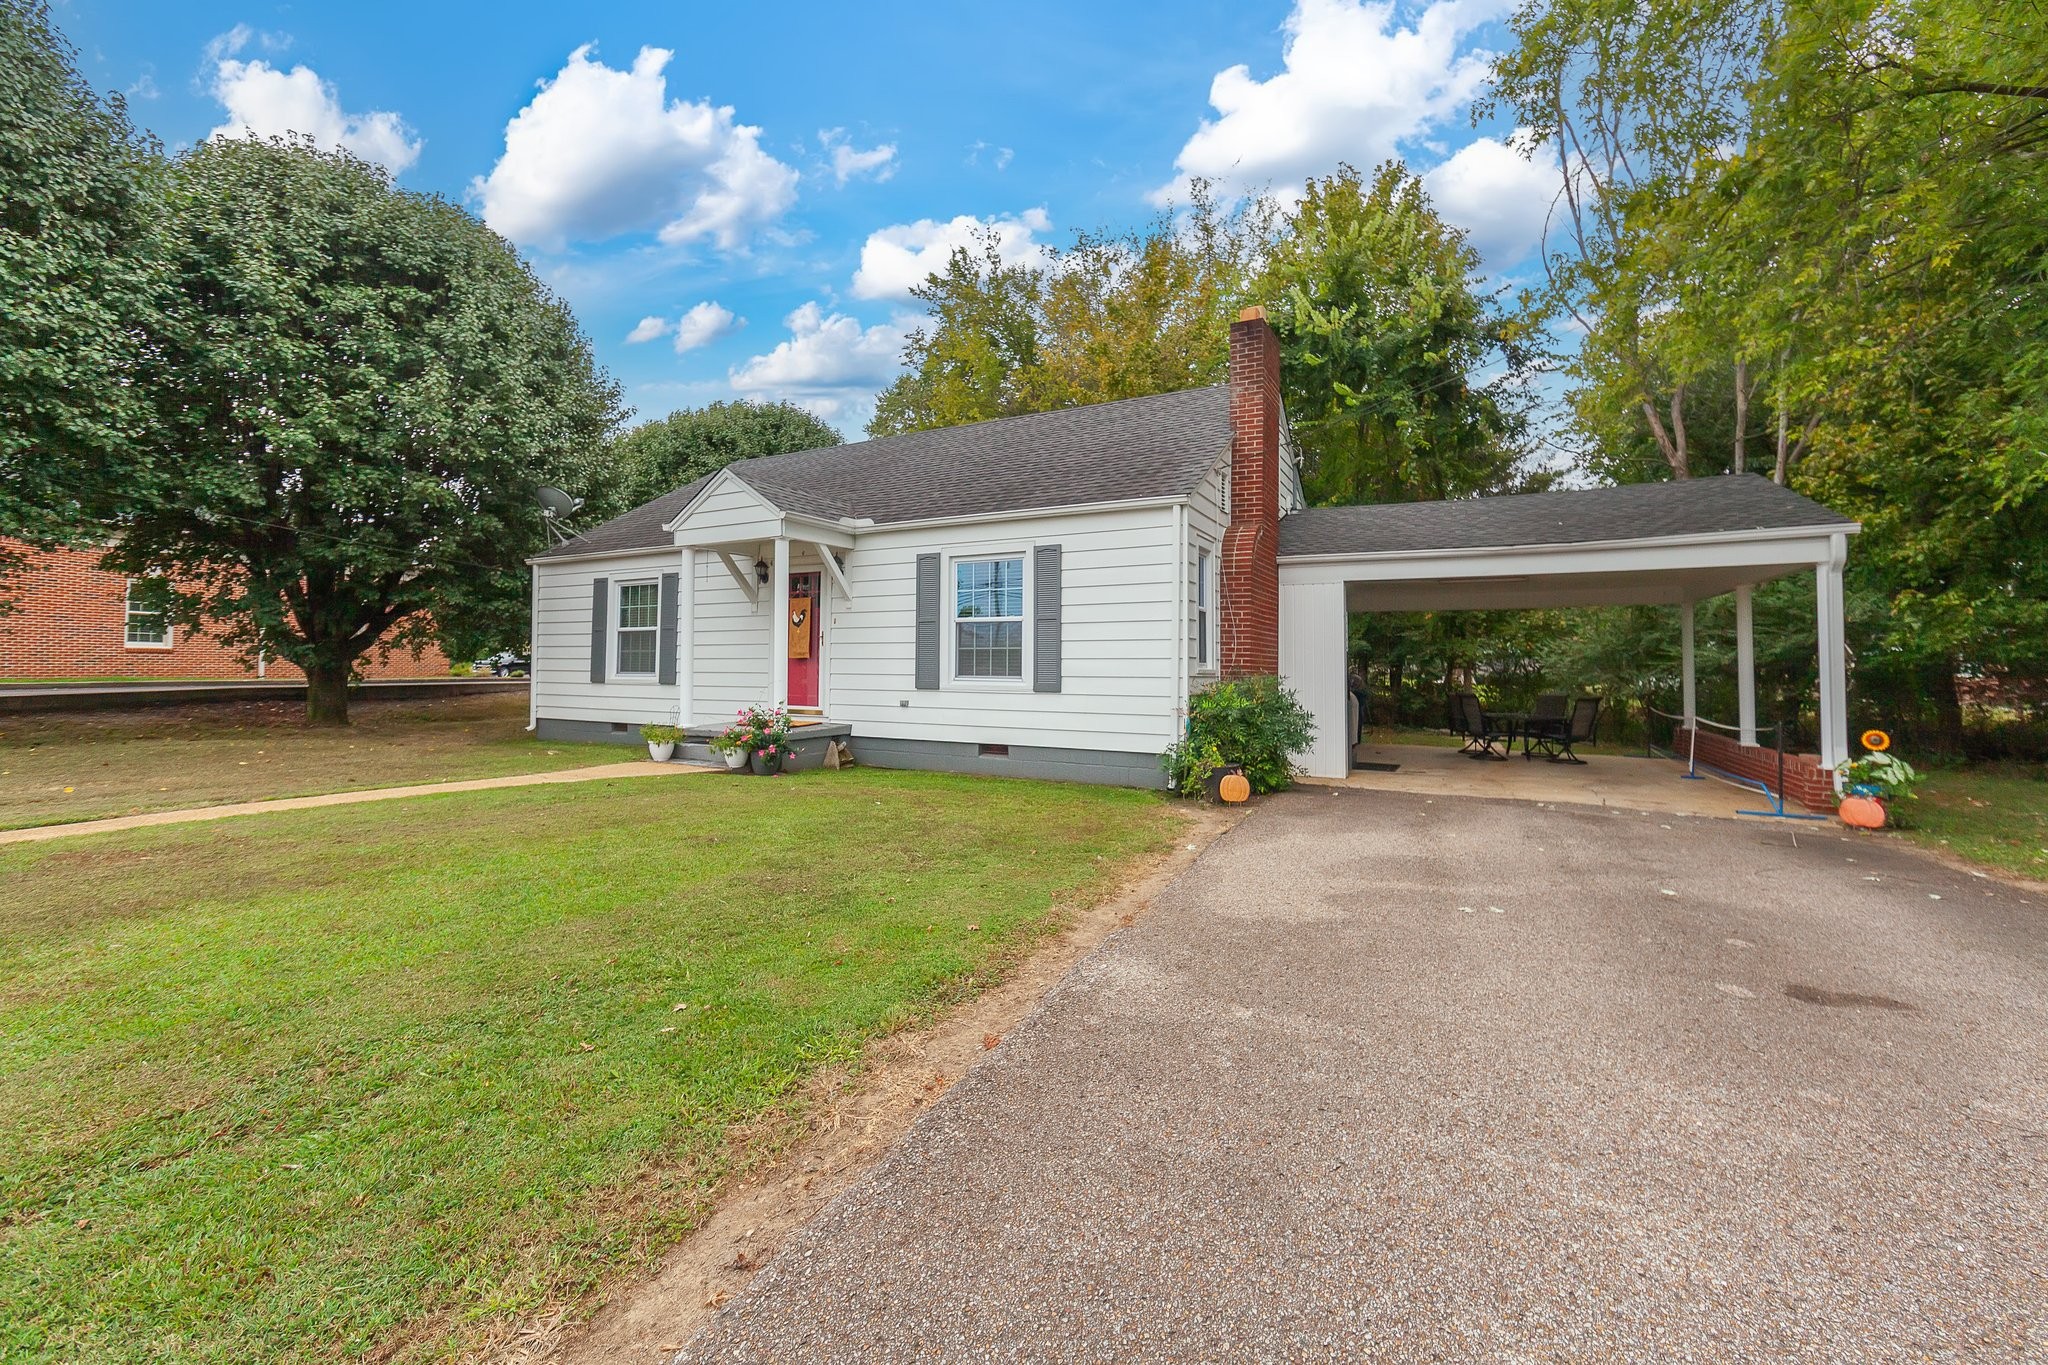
x=849, y=1123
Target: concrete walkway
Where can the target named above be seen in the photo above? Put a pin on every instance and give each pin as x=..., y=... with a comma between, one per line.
x=187, y=816
x=1390, y=1078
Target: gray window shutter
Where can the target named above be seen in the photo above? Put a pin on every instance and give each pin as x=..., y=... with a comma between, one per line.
x=665, y=668
x=927, y=622
x=600, y=605
x=1045, y=619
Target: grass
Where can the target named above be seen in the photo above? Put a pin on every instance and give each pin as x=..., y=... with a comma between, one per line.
x=1995, y=815
x=86, y=765
x=301, y=1086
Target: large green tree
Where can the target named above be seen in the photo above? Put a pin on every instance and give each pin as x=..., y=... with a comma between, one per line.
x=661, y=456
x=1114, y=315
x=1814, y=238
x=75, y=196
x=1385, y=330
x=356, y=391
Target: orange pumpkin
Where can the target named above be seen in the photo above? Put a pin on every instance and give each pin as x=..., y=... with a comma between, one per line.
x=1234, y=788
x=1862, y=812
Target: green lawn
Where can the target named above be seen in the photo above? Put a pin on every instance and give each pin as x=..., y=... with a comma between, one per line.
x=87, y=764
x=297, y=1086
x=1995, y=815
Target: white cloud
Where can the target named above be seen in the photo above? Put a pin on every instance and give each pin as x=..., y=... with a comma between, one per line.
x=1002, y=157
x=600, y=152
x=704, y=324
x=1500, y=197
x=1352, y=88
x=849, y=161
x=264, y=101
x=895, y=259
x=647, y=329
x=831, y=365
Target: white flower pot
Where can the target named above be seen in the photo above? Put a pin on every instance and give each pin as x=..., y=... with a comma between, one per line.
x=660, y=753
x=735, y=759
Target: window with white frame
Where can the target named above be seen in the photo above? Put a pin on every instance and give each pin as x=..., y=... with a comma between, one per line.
x=1203, y=610
x=147, y=623
x=988, y=618
x=639, y=626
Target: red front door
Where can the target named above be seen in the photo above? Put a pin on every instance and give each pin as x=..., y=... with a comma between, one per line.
x=803, y=639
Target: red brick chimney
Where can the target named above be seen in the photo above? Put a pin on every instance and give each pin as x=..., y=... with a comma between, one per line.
x=1250, y=567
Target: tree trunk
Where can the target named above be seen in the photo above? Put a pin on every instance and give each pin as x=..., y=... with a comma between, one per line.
x=1938, y=684
x=1741, y=415
x=326, y=695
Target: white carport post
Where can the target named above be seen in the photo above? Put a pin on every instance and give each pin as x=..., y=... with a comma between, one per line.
x=1314, y=633
x=778, y=627
x=1745, y=664
x=1834, y=656
x=686, y=615
x=1689, y=671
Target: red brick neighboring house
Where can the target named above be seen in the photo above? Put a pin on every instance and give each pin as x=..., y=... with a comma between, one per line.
x=72, y=619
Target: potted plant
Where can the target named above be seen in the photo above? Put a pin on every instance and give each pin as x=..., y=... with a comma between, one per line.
x=1878, y=777
x=763, y=733
x=731, y=746
x=661, y=741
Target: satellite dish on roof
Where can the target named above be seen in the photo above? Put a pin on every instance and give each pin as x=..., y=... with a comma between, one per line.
x=556, y=507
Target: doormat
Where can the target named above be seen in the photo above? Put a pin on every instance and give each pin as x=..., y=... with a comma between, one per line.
x=1377, y=767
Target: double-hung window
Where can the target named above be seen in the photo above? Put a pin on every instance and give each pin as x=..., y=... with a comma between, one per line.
x=147, y=624
x=1202, y=607
x=988, y=618
x=639, y=626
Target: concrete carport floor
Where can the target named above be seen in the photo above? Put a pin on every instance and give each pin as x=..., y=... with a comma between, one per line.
x=1628, y=782
x=1387, y=1077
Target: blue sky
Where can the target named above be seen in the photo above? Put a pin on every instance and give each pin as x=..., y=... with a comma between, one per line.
x=735, y=199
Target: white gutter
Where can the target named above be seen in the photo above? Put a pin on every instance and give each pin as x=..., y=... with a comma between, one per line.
x=533, y=651
x=1573, y=546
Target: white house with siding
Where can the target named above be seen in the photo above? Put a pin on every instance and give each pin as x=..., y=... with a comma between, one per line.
x=1039, y=595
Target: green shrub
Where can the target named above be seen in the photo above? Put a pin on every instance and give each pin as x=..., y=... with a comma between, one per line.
x=459, y=670
x=1253, y=721
x=1894, y=778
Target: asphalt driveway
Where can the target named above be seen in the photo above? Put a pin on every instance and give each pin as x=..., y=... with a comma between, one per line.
x=1386, y=1076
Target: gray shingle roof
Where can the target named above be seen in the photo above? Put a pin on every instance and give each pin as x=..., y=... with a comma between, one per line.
x=1154, y=447
x=1733, y=502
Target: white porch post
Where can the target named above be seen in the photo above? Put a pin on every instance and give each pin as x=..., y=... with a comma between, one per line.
x=1834, y=656
x=1745, y=665
x=686, y=634
x=1689, y=680
x=778, y=627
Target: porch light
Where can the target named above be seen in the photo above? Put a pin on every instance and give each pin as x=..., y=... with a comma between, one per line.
x=761, y=572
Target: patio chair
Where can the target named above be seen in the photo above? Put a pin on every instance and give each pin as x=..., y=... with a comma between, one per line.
x=1551, y=711
x=1557, y=742
x=1482, y=736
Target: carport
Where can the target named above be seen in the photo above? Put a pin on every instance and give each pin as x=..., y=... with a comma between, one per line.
x=1672, y=544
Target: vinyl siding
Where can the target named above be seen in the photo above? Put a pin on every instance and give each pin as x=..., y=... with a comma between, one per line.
x=1118, y=638
x=727, y=512
x=561, y=644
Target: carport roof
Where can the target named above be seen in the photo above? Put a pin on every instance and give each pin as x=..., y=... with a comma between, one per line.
x=1723, y=505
